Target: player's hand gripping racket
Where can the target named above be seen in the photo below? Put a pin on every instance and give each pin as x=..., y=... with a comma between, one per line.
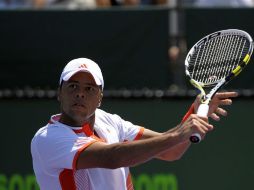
x=215, y=60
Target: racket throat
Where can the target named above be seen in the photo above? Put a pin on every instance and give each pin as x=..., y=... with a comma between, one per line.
x=215, y=89
x=205, y=99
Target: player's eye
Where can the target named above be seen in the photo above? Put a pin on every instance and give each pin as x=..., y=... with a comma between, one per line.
x=91, y=90
x=72, y=86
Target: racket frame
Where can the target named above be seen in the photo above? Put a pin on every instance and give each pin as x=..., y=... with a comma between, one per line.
x=206, y=97
x=200, y=86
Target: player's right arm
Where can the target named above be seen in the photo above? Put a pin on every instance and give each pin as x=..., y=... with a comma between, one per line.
x=131, y=153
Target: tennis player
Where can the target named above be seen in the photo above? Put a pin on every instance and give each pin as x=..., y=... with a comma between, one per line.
x=86, y=148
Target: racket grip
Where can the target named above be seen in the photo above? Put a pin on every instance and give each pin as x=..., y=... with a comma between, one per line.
x=202, y=111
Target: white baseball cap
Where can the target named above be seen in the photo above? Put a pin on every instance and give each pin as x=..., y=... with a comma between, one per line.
x=82, y=65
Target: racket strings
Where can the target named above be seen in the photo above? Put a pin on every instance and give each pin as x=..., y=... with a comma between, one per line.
x=202, y=57
x=227, y=60
x=217, y=58
x=205, y=58
x=220, y=56
x=214, y=72
x=238, y=52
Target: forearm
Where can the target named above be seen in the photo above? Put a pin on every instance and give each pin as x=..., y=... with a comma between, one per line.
x=125, y=154
x=174, y=153
x=138, y=152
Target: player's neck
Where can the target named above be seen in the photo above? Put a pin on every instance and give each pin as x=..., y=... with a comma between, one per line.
x=65, y=119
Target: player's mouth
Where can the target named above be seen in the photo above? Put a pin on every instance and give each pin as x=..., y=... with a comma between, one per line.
x=78, y=105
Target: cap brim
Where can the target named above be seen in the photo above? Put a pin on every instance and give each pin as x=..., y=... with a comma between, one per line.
x=70, y=74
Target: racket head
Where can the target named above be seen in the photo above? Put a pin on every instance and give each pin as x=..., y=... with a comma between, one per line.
x=217, y=57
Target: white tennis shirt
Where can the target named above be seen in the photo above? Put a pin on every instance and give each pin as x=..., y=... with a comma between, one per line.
x=56, y=147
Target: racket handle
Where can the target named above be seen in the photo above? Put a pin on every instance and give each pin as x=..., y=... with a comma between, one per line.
x=195, y=138
x=202, y=111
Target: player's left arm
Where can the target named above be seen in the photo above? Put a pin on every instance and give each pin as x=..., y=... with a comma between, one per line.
x=176, y=152
x=171, y=154
x=215, y=107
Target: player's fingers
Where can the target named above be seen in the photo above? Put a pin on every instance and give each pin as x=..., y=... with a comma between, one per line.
x=215, y=117
x=221, y=111
x=225, y=95
x=199, y=123
x=202, y=130
x=195, y=118
x=197, y=128
x=225, y=102
x=202, y=123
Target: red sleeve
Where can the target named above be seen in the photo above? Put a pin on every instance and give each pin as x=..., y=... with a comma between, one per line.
x=140, y=133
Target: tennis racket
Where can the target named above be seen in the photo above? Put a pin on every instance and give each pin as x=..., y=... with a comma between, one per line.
x=215, y=60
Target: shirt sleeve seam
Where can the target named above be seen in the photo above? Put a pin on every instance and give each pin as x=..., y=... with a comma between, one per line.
x=81, y=149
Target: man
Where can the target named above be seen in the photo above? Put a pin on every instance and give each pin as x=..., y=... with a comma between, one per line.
x=86, y=148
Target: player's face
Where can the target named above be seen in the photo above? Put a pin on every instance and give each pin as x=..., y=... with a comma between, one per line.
x=79, y=98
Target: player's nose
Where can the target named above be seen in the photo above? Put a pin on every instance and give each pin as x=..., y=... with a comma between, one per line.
x=80, y=94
